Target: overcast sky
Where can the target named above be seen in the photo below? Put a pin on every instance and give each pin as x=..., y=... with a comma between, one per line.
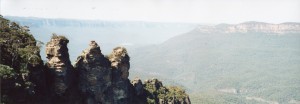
x=199, y=11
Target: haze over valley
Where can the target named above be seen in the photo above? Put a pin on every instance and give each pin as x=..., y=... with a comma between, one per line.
x=108, y=33
x=250, y=62
x=150, y=51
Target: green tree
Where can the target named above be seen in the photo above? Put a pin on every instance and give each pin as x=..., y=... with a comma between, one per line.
x=19, y=57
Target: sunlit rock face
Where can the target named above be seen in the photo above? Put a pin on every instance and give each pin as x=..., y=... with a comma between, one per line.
x=60, y=73
x=94, y=75
x=120, y=83
x=120, y=61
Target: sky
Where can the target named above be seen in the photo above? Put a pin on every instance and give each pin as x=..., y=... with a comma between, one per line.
x=188, y=11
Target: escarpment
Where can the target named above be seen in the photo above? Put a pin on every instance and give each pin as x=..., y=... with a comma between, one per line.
x=94, y=78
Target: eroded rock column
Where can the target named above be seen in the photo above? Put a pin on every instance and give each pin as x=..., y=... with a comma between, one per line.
x=60, y=73
x=120, y=71
x=94, y=75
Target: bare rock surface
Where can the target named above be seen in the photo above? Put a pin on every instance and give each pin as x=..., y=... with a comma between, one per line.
x=120, y=71
x=94, y=75
x=60, y=73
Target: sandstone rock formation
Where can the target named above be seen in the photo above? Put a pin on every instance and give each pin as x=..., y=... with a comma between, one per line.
x=102, y=80
x=120, y=61
x=138, y=92
x=94, y=75
x=120, y=71
x=60, y=73
x=105, y=81
x=94, y=79
x=138, y=86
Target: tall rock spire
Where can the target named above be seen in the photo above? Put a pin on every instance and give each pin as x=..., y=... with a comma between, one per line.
x=120, y=71
x=60, y=72
x=94, y=75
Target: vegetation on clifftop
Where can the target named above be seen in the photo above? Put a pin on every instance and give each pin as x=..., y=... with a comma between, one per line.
x=19, y=56
x=158, y=94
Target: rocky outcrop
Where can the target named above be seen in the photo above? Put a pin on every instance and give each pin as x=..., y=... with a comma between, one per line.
x=120, y=61
x=156, y=93
x=94, y=75
x=120, y=71
x=138, y=92
x=138, y=86
x=60, y=72
x=105, y=81
x=102, y=80
x=94, y=79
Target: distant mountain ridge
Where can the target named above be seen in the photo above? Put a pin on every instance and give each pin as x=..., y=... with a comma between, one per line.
x=252, y=26
x=229, y=63
x=128, y=33
x=58, y=22
x=249, y=59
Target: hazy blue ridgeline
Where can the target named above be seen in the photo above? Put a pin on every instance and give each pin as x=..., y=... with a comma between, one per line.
x=108, y=34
